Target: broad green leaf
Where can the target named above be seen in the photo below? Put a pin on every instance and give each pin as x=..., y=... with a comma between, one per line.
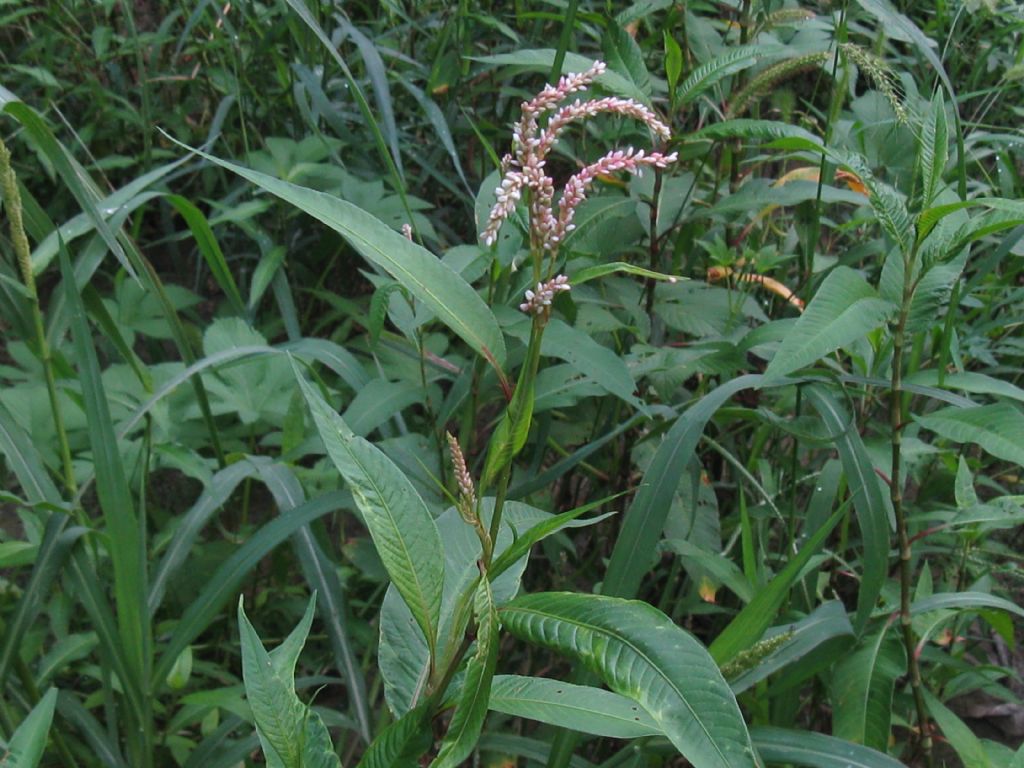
x=644, y=521
x=998, y=428
x=400, y=524
x=425, y=276
x=533, y=750
x=577, y=707
x=26, y=746
x=641, y=654
x=402, y=743
x=756, y=616
x=292, y=735
x=844, y=309
x=377, y=402
x=471, y=709
x=404, y=658
x=862, y=688
x=510, y=435
x=869, y=501
x=968, y=381
x=595, y=360
x=698, y=561
x=816, y=750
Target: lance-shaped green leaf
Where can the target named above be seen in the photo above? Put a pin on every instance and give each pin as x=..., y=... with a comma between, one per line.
x=641, y=654
x=733, y=60
x=468, y=720
x=998, y=428
x=844, y=309
x=425, y=276
x=510, y=435
x=577, y=707
x=398, y=520
x=291, y=734
x=933, y=149
x=25, y=749
x=862, y=689
x=816, y=750
x=401, y=744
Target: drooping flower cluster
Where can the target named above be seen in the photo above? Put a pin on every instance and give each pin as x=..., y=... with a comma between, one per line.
x=539, y=300
x=523, y=169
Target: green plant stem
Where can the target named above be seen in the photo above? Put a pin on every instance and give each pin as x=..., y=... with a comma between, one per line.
x=896, y=422
x=655, y=260
x=12, y=203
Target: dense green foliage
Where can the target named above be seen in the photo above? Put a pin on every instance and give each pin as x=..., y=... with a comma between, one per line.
x=287, y=365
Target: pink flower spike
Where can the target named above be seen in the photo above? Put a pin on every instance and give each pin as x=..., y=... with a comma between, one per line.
x=538, y=301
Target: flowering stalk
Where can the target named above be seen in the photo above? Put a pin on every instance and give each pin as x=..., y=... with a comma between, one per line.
x=467, y=501
x=12, y=206
x=525, y=178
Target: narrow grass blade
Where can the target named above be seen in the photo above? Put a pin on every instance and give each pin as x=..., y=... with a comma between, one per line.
x=95, y=735
x=127, y=548
x=868, y=499
x=756, y=616
x=24, y=460
x=364, y=107
x=224, y=583
x=53, y=551
x=643, y=523
x=216, y=492
x=208, y=246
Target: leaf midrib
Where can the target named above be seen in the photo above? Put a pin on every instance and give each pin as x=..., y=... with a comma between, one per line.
x=641, y=654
